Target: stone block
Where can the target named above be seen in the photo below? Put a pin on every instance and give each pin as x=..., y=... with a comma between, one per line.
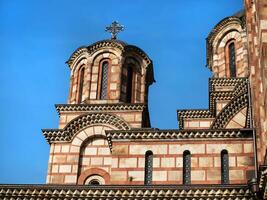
x=128, y=117
x=175, y=176
x=248, y=148
x=179, y=162
x=141, y=149
x=167, y=162
x=104, y=151
x=70, y=179
x=232, y=161
x=193, y=124
x=77, y=142
x=193, y=148
x=204, y=124
x=98, y=130
x=73, y=158
x=245, y=161
x=214, y=175
x=57, y=179
x=236, y=175
x=136, y=175
x=107, y=161
x=96, y=161
x=65, y=148
x=156, y=162
x=82, y=135
x=120, y=150
x=74, y=149
x=98, y=142
x=159, y=176
x=217, y=148
x=141, y=162
x=127, y=162
x=194, y=162
x=59, y=159
x=57, y=148
x=205, y=162
x=90, y=150
x=64, y=168
x=86, y=161
x=197, y=175
x=54, y=168
x=118, y=176
x=114, y=162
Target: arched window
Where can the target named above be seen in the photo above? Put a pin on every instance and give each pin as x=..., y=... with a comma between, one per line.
x=186, y=167
x=129, y=88
x=80, y=90
x=232, y=59
x=148, y=167
x=104, y=80
x=94, y=180
x=224, y=167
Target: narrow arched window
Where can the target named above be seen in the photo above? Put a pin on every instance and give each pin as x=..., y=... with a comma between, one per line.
x=80, y=90
x=225, y=167
x=104, y=80
x=232, y=59
x=129, y=88
x=186, y=167
x=148, y=167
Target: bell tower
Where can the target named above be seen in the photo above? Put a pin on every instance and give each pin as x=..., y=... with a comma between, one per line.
x=109, y=71
x=108, y=91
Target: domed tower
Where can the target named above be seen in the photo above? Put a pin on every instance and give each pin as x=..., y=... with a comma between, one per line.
x=108, y=91
x=227, y=53
x=109, y=71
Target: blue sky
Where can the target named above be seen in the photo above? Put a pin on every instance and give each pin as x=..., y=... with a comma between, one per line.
x=37, y=37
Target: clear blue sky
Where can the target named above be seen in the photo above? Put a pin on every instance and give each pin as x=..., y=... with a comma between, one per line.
x=37, y=37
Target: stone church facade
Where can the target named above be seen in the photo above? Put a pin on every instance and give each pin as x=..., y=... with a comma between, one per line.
x=105, y=148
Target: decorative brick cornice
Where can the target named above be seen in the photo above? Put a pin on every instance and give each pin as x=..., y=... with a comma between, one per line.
x=66, y=134
x=154, y=134
x=124, y=47
x=99, y=107
x=225, y=82
x=239, y=87
x=183, y=114
x=126, y=192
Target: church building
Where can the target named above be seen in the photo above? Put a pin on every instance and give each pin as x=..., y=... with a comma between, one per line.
x=105, y=148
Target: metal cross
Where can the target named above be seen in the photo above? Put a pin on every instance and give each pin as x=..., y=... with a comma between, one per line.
x=114, y=29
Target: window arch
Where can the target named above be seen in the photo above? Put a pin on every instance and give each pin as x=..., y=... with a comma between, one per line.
x=130, y=85
x=104, y=74
x=148, y=167
x=80, y=90
x=224, y=167
x=186, y=167
x=232, y=59
x=94, y=180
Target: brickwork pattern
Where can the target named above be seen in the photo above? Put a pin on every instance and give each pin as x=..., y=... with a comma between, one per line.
x=128, y=161
x=256, y=19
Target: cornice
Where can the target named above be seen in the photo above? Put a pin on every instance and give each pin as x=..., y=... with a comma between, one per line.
x=239, y=88
x=126, y=192
x=67, y=134
x=176, y=134
x=108, y=43
x=99, y=107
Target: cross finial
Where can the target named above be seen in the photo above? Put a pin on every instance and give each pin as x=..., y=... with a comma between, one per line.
x=114, y=29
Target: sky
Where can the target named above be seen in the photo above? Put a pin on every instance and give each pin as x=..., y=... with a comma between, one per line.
x=38, y=37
